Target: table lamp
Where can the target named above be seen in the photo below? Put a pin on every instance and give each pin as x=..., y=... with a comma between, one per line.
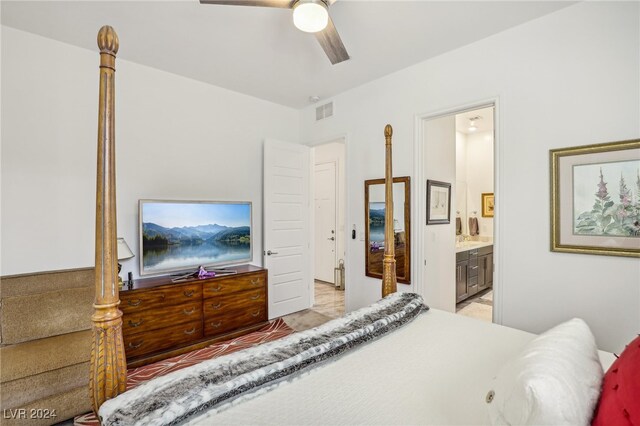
x=124, y=253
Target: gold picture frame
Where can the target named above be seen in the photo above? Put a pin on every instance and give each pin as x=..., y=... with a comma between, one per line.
x=595, y=199
x=488, y=204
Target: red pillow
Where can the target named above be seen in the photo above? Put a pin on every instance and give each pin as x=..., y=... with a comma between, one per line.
x=619, y=403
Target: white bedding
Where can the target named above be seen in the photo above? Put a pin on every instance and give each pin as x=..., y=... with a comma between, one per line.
x=435, y=370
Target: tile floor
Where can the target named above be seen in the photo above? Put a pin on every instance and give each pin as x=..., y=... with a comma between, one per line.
x=329, y=304
x=480, y=306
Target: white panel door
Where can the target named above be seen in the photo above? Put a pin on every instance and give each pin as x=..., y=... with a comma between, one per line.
x=287, y=226
x=325, y=221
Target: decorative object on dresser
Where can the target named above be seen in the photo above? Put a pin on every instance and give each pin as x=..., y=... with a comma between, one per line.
x=124, y=253
x=438, y=202
x=594, y=199
x=163, y=318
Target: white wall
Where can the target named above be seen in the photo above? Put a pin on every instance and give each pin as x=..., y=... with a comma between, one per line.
x=439, y=151
x=479, y=173
x=176, y=138
x=580, y=63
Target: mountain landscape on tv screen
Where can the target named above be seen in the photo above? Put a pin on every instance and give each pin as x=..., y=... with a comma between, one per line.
x=155, y=236
x=376, y=216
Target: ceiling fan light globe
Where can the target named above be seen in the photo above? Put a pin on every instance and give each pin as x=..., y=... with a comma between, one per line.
x=310, y=16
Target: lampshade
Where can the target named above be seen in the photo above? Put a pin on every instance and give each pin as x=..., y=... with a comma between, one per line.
x=310, y=16
x=124, y=252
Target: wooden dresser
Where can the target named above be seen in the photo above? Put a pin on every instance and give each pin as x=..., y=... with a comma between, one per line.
x=164, y=318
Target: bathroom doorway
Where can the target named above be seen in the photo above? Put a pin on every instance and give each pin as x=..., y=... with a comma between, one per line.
x=475, y=207
x=449, y=279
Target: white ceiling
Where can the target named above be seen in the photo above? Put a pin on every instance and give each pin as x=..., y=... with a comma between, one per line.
x=258, y=51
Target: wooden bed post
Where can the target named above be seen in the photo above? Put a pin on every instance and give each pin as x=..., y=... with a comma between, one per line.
x=389, y=283
x=108, y=376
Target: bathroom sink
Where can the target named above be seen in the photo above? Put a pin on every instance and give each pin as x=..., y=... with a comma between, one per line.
x=472, y=244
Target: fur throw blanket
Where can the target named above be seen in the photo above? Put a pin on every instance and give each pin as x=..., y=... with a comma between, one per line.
x=216, y=383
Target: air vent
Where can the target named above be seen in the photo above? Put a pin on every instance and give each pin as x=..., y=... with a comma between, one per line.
x=324, y=111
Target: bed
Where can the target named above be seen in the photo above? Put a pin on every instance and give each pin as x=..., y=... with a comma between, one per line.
x=437, y=370
x=433, y=368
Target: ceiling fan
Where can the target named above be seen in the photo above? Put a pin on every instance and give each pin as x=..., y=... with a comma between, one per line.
x=310, y=16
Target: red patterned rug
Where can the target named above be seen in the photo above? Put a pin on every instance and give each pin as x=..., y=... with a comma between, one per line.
x=136, y=376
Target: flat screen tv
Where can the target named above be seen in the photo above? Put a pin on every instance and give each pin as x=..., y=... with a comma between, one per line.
x=182, y=235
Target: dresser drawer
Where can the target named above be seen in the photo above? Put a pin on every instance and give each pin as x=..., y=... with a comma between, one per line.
x=240, y=301
x=232, y=284
x=136, y=301
x=151, y=319
x=156, y=340
x=237, y=319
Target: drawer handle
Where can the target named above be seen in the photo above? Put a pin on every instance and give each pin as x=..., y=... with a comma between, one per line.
x=217, y=324
x=474, y=267
x=189, y=312
x=216, y=306
x=132, y=346
x=256, y=313
x=256, y=281
x=135, y=324
x=256, y=297
x=188, y=293
x=193, y=330
x=217, y=288
x=134, y=302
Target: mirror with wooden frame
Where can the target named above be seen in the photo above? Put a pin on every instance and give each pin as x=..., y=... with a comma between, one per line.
x=374, y=210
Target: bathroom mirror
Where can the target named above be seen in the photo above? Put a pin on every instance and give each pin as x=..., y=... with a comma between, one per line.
x=461, y=208
x=374, y=209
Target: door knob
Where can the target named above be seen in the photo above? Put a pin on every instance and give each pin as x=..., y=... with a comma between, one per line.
x=332, y=238
x=269, y=252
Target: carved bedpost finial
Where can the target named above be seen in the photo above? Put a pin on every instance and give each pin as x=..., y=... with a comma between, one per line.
x=108, y=376
x=108, y=40
x=389, y=280
x=388, y=131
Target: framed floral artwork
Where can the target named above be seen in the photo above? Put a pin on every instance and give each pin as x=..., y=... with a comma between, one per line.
x=488, y=206
x=595, y=199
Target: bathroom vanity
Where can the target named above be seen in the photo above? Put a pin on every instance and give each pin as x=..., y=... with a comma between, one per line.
x=474, y=268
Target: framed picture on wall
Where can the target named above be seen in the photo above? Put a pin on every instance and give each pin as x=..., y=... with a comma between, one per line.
x=595, y=199
x=488, y=205
x=438, y=202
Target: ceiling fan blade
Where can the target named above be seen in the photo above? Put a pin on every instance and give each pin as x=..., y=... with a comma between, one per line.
x=331, y=44
x=286, y=4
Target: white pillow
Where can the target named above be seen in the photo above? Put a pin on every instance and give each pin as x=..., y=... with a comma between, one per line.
x=554, y=381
